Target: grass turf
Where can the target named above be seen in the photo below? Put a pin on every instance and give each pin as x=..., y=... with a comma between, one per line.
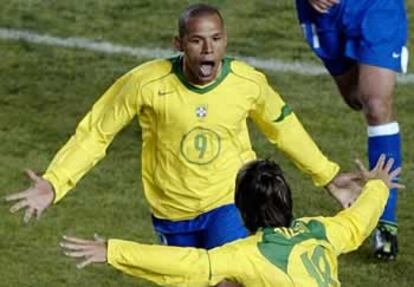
x=45, y=91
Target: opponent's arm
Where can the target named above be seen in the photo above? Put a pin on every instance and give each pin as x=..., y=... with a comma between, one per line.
x=83, y=150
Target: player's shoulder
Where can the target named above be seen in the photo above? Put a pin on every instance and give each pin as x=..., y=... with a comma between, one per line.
x=244, y=70
x=151, y=70
x=241, y=245
x=314, y=225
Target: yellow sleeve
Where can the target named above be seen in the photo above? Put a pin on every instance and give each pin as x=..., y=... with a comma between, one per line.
x=227, y=262
x=281, y=126
x=94, y=133
x=239, y=261
x=164, y=265
x=349, y=228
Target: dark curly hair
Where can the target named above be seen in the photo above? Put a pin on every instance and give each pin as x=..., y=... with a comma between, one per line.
x=263, y=196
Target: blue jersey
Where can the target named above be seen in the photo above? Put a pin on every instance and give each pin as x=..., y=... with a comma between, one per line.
x=372, y=32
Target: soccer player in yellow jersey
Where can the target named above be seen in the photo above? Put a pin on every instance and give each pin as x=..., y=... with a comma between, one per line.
x=280, y=252
x=192, y=110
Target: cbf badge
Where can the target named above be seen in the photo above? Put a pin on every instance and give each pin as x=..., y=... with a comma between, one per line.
x=201, y=112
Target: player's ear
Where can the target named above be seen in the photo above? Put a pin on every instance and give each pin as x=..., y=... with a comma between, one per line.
x=225, y=39
x=178, y=43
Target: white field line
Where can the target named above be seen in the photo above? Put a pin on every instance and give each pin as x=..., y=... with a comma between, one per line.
x=275, y=65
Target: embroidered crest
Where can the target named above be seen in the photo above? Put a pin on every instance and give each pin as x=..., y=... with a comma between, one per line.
x=201, y=112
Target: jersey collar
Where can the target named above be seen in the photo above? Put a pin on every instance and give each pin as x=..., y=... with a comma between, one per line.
x=178, y=71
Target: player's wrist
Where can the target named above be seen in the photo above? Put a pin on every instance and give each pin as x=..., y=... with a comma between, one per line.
x=51, y=190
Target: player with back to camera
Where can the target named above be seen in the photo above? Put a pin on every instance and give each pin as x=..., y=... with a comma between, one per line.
x=192, y=110
x=362, y=44
x=281, y=251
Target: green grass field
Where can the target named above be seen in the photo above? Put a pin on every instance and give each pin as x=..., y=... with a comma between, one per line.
x=45, y=91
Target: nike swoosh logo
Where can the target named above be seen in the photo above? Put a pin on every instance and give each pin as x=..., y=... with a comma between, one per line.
x=286, y=110
x=396, y=55
x=163, y=93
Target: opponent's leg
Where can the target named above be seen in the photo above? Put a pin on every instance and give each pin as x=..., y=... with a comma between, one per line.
x=347, y=84
x=375, y=89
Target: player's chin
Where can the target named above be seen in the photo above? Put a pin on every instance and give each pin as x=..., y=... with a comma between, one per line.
x=206, y=77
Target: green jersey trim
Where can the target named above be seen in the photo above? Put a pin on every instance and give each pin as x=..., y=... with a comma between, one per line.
x=286, y=110
x=178, y=71
x=278, y=243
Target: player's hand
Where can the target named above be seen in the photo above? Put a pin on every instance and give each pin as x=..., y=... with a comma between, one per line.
x=382, y=170
x=89, y=251
x=345, y=188
x=33, y=200
x=322, y=6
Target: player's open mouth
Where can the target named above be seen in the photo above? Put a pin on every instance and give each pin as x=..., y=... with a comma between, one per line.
x=207, y=68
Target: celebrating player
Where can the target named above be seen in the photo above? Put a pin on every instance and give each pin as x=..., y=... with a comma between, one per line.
x=361, y=44
x=192, y=110
x=280, y=252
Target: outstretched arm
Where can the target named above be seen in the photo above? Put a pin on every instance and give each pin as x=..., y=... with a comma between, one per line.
x=281, y=126
x=345, y=188
x=349, y=228
x=89, y=251
x=95, y=132
x=164, y=265
x=35, y=199
x=83, y=150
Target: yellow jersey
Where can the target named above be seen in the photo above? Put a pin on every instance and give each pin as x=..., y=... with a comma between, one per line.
x=304, y=255
x=194, y=139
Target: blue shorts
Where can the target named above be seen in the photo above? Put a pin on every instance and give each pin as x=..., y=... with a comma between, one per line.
x=371, y=32
x=208, y=230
